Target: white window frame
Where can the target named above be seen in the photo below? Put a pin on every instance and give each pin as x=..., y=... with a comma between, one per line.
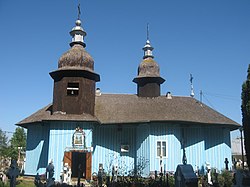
x=73, y=89
x=125, y=148
x=161, y=143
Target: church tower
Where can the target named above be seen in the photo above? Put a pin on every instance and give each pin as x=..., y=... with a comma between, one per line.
x=148, y=79
x=75, y=79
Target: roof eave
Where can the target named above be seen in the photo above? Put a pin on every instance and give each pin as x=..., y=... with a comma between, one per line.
x=191, y=123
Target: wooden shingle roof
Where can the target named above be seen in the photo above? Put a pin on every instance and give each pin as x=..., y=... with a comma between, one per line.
x=128, y=108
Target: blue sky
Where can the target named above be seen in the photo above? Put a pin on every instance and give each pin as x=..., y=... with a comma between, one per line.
x=210, y=39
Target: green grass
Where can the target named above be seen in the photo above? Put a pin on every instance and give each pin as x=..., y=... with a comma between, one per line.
x=22, y=183
x=26, y=184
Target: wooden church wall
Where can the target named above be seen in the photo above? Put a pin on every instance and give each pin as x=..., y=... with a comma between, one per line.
x=107, y=148
x=49, y=141
x=143, y=148
x=194, y=146
x=36, y=149
x=217, y=147
x=202, y=144
x=165, y=133
x=60, y=139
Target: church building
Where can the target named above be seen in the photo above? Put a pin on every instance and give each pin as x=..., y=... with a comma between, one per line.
x=142, y=132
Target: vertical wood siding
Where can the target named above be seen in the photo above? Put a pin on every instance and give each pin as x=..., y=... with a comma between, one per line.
x=143, y=149
x=217, y=147
x=36, y=149
x=194, y=146
x=202, y=144
x=107, y=148
x=60, y=137
x=170, y=134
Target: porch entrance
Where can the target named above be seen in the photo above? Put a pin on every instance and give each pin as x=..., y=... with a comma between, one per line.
x=79, y=159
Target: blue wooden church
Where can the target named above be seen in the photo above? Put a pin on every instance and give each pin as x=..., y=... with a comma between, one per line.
x=140, y=132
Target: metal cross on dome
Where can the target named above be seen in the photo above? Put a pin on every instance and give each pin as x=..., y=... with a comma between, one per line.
x=79, y=10
x=147, y=31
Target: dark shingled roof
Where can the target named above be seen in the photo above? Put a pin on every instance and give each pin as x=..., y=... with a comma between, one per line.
x=125, y=108
x=45, y=114
x=76, y=58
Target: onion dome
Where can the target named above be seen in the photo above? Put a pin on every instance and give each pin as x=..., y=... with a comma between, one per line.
x=148, y=67
x=77, y=57
x=148, y=79
x=76, y=61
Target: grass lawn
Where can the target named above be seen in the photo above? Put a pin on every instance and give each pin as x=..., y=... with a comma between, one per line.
x=24, y=183
x=21, y=183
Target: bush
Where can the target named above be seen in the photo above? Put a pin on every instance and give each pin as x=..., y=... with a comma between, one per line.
x=228, y=178
x=221, y=180
x=171, y=181
x=224, y=179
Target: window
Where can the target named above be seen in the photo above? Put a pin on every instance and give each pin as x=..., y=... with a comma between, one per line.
x=73, y=88
x=124, y=148
x=161, y=148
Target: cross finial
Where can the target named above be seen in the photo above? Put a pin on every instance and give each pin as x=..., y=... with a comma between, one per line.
x=191, y=78
x=192, y=87
x=79, y=10
x=147, y=31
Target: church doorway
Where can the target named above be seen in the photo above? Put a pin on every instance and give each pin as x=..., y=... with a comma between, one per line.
x=78, y=164
x=79, y=161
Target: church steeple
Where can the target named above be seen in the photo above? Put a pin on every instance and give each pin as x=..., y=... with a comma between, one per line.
x=148, y=79
x=148, y=50
x=78, y=33
x=147, y=47
x=74, y=80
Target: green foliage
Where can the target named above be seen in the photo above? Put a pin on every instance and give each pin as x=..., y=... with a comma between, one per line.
x=3, y=143
x=19, y=138
x=3, y=139
x=20, y=183
x=171, y=180
x=221, y=181
x=245, y=108
x=18, y=141
x=227, y=177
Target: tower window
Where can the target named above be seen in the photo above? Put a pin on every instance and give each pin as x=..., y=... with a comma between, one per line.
x=73, y=88
x=124, y=148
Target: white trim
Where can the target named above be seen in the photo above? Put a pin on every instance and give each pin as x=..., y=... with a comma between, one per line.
x=161, y=149
x=70, y=88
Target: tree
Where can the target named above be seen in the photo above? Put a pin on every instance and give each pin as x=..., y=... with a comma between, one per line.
x=245, y=108
x=3, y=143
x=17, y=143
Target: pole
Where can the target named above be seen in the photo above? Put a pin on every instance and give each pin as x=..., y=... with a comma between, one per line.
x=242, y=153
x=201, y=96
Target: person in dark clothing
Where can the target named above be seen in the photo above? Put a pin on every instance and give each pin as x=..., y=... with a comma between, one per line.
x=79, y=175
x=13, y=173
x=49, y=174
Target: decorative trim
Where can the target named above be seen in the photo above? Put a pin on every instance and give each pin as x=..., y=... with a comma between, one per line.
x=78, y=138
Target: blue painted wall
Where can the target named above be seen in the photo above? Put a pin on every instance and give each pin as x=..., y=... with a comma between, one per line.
x=143, y=149
x=170, y=134
x=37, y=149
x=60, y=139
x=202, y=144
x=107, y=148
x=49, y=141
x=217, y=147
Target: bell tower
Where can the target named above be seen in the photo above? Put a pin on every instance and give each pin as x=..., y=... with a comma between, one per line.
x=75, y=79
x=148, y=79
